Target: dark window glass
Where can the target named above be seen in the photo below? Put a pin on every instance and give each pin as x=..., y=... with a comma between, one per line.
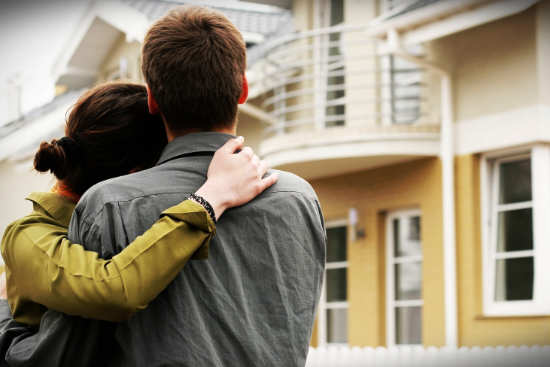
x=515, y=181
x=336, y=285
x=515, y=230
x=514, y=279
x=336, y=244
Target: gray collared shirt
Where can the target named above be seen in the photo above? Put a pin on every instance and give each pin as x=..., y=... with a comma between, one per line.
x=252, y=302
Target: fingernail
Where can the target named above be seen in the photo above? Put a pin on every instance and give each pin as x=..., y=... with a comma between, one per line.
x=240, y=138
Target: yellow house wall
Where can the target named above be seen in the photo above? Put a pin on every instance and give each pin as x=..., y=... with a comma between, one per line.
x=373, y=193
x=493, y=66
x=474, y=328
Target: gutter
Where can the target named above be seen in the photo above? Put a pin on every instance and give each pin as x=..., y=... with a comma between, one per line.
x=447, y=160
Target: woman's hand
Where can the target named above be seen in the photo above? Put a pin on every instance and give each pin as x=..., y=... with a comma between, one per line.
x=234, y=178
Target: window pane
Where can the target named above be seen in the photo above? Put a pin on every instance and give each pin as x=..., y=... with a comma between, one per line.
x=408, y=281
x=336, y=244
x=515, y=230
x=514, y=279
x=336, y=12
x=336, y=284
x=414, y=229
x=410, y=245
x=408, y=325
x=396, y=237
x=337, y=325
x=515, y=181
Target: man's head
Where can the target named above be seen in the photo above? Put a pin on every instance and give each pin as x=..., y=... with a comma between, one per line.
x=194, y=60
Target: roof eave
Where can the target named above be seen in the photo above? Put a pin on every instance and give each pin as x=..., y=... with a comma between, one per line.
x=448, y=17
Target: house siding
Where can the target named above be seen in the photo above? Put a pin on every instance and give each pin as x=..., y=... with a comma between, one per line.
x=373, y=193
x=493, y=66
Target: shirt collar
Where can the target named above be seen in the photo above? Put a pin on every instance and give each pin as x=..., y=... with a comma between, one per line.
x=193, y=143
x=57, y=206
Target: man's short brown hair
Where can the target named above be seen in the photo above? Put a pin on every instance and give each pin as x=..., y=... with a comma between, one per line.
x=193, y=60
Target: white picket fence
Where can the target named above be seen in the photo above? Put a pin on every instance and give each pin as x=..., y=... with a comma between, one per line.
x=523, y=356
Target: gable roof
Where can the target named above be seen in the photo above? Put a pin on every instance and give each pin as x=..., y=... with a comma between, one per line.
x=248, y=18
x=20, y=137
x=104, y=23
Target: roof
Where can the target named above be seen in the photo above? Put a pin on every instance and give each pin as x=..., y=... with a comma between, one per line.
x=419, y=21
x=398, y=11
x=252, y=18
x=37, y=112
x=40, y=124
x=47, y=121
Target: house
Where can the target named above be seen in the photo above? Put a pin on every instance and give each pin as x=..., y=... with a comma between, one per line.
x=105, y=46
x=424, y=127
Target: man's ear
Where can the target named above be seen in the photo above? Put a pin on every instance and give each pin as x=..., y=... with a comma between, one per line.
x=152, y=103
x=244, y=93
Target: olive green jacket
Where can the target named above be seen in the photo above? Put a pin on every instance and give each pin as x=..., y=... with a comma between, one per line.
x=45, y=270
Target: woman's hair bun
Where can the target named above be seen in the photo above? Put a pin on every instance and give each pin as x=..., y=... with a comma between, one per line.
x=51, y=157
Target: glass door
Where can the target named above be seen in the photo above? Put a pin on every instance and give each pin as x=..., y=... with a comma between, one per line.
x=404, y=278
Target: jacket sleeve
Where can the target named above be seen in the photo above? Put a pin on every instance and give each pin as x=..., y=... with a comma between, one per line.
x=48, y=269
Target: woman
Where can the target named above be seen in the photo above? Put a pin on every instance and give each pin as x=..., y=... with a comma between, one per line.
x=106, y=135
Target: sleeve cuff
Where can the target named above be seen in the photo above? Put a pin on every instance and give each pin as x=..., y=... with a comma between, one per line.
x=191, y=212
x=194, y=214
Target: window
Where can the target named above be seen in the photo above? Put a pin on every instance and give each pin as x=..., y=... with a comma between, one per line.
x=516, y=236
x=404, y=279
x=331, y=65
x=333, y=308
x=401, y=90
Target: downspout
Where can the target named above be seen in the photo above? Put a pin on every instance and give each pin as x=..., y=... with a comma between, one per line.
x=447, y=161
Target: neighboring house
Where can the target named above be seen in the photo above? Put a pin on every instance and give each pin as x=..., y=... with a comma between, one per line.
x=106, y=46
x=424, y=127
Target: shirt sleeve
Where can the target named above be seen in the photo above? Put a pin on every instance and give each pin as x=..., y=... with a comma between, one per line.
x=48, y=269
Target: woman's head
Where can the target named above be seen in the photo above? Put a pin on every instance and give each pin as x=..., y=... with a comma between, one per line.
x=109, y=133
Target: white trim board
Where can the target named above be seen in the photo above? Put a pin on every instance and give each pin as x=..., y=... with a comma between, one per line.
x=506, y=129
x=122, y=17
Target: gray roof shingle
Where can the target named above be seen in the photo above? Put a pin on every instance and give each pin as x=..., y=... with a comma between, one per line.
x=266, y=22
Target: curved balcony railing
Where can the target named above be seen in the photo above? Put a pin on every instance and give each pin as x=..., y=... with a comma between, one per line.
x=336, y=78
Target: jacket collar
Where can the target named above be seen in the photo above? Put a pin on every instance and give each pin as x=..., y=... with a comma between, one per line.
x=56, y=206
x=193, y=144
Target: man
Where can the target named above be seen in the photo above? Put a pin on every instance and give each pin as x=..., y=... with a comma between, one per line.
x=252, y=302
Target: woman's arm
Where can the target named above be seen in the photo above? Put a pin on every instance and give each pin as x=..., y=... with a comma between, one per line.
x=44, y=267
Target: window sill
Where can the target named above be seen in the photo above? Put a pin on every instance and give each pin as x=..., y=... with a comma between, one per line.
x=508, y=317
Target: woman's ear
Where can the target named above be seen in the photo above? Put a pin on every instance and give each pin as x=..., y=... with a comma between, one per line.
x=152, y=103
x=244, y=92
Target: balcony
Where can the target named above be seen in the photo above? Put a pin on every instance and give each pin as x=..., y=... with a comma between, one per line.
x=336, y=105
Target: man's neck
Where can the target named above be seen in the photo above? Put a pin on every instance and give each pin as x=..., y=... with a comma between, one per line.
x=171, y=135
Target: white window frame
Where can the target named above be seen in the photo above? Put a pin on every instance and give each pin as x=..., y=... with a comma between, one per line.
x=540, y=181
x=323, y=304
x=391, y=303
